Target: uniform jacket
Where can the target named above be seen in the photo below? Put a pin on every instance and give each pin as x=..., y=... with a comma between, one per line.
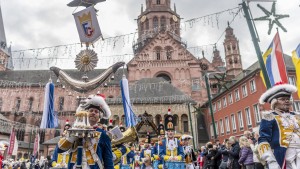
x=164, y=152
x=102, y=149
x=273, y=136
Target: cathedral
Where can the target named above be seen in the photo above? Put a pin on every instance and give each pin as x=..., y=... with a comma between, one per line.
x=162, y=75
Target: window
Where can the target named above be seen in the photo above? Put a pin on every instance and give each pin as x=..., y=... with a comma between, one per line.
x=30, y=103
x=217, y=128
x=257, y=113
x=230, y=98
x=2, y=61
x=1, y=104
x=157, y=54
x=248, y=117
x=142, y=27
x=244, y=91
x=155, y=23
x=296, y=105
x=214, y=107
x=252, y=86
x=185, y=127
x=237, y=95
x=20, y=134
x=292, y=80
x=42, y=136
x=241, y=121
x=169, y=53
x=227, y=125
x=18, y=104
x=224, y=102
x=147, y=24
x=158, y=2
x=163, y=23
x=219, y=105
x=61, y=101
x=221, y=126
x=233, y=122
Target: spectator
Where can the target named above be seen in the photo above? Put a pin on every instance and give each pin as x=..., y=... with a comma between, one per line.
x=233, y=162
x=258, y=164
x=201, y=157
x=224, y=152
x=246, y=154
x=209, y=156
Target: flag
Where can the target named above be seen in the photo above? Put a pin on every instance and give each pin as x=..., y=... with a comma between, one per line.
x=274, y=62
x=296, y=61
x=87, y=25
x=49, y=119
x=36, y=147
x=130, y=118
x=16, y=146
x=12, y=139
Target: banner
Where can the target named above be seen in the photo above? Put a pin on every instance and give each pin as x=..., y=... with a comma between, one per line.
x=87, y=25
x=274, y=62
x=36, y=147
x=16, y=146
x=12, y=139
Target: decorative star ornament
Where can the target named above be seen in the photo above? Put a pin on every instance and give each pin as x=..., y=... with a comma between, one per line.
x=272, y=17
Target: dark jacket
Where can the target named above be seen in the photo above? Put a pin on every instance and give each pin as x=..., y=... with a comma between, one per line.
x=209, y=156
x=246, y=156
x=234, y=156
x=225, y=154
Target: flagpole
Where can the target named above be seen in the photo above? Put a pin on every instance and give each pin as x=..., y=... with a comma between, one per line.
x=255, y=43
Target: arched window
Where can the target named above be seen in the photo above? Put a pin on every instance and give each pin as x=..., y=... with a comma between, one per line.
x=155, y=23
x=185, y=123
x=18, y=103
x=142, y=27
x=157, y=51
x=158, y=2
x=157, y=119
x=169, y=51
x=147, y=24
x=1, y=104
x=163, y=23
x=57, y=131
x=30, y=103
x=165, y=77
x=172, y=25
x=20, y=134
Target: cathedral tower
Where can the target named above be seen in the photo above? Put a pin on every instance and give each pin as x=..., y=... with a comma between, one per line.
x=5, y=52
x=232, y=53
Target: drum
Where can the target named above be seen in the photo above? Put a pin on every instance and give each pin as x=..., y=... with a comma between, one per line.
x=174, y=165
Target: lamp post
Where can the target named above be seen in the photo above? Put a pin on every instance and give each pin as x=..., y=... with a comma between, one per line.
x=255, y=42
x=210, y=104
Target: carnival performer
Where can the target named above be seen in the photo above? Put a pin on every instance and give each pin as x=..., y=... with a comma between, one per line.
x=156, y=149
x=146, y=151
x=61, y=159
x=279, y=134
x=189, y=154
x=97, y=150
x=130, y=155
x=171, y=150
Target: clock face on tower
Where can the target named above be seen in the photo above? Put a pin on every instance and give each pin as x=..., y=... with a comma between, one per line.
x=175, y=19
x=143, y=18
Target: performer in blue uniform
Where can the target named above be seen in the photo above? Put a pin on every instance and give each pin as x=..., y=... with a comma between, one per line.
x=156, y=149
x=146, y=152
x=130, y=155
x=171, y=149
x=279, y=136
x=97, y=150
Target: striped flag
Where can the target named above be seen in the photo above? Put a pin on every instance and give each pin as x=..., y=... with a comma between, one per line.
x=130, y=118
x=296, y=61
x=36, y=147
x=12, y=141
x=274, y=62
x=49, y=119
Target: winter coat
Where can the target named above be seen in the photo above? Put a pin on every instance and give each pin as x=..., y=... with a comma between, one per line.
x=234, y=156
x=246, y=156
x=225, y=154
x=209, y=159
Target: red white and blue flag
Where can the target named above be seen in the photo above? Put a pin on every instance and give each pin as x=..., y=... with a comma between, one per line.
x=274, y=62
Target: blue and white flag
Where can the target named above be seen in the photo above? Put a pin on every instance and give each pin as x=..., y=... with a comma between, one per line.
x=130, y=118
x=49, y=119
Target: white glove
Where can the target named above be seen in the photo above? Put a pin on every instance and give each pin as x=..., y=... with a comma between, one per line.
x=274, y=165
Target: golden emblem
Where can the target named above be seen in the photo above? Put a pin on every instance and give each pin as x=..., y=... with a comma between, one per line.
x=86, y=60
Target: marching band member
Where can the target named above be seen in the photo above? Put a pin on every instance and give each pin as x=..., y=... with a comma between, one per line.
x=97, y=152
x=130, y=155
x=146, y=152
x=189, y=154
x=279, y=137
x=171, y=150
x=157, y=146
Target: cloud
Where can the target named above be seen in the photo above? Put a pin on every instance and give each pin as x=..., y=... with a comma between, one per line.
x=38, y=23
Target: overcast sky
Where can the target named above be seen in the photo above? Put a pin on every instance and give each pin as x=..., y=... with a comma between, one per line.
x=35, y=24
